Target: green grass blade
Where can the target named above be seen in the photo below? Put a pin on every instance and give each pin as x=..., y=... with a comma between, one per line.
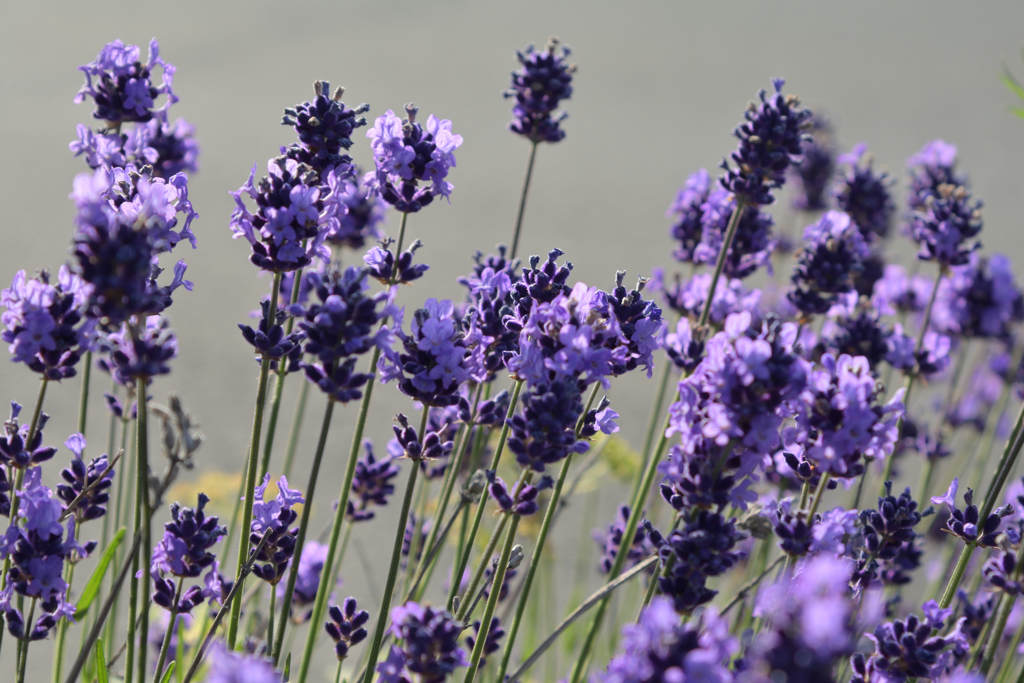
x=92, y=588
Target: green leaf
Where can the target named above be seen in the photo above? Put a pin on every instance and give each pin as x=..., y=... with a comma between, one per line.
x=92, y=588
x=287, y=667
x=167, y=673
x=1011, y=83
x=101, y=663
x=1019, y=111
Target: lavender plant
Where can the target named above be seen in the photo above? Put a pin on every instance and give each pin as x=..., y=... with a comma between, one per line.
x=764, y=558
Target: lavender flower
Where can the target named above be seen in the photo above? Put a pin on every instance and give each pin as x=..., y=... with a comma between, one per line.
x=307, y=581
x=371, y=484
x=415, y=537
x=125, y=220
x=853, y=328
x=980, y=299
x=812, y=176
x=125, y=89
x=834, y=252
x=843, y=421
x=864, y=194
x=489, y=301
x=37, y=551
x=339, y=328
x=324, y=127
x=610, y=542
x=898, y=292
x=703, y=548
x=16, y=450
x=232, y=667
x=946, y=225
x=771, y=139
x=688, y=298
x=270, y=520
x=435, y=361
x=46, y=328
x=525, y=501
x=493, y=642
x=406, y=155
x=184, y=552
x=933, y=165
x=966, y=524
x=142, y=352
x=752, y=245
x=890, y=544
x=272, y=343
x=292, y=219
x=810, y=617
x=428, y=644
x=168, y=148
x=346, y=626
x=1000, y=571
x=538, y=88
x=543, y=432
x=360, y=212
x=80, y=476
x=380, y=263
x=660, y=647
x=687, y=212
x=910, y=648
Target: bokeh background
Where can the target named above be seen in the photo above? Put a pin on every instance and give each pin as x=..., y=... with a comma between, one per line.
x=660, y=87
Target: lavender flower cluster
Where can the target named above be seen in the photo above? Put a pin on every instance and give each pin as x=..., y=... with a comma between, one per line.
x=780, y=547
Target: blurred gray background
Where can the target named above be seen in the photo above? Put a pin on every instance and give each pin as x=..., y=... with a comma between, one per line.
x=659, y=89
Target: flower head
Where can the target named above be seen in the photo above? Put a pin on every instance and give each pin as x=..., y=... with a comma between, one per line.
x=428, y=642
x=124, y=87
x=544, y=80
x=771, y=139
x=833, y=254
x=406, y=155
x=324, y=127
x=78, y=477
x=863, y=193
x=812, y=176
x=270, y=521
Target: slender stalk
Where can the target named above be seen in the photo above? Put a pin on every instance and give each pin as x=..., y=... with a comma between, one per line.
x=497, y=580
x=1000, y=623
x=26, y=641
x=466, y=602
x=433, y=550
x=1004, y=670
x=300, y=540
x=254, y=449
x=595, y=598
x=742, y=593
x=652, y=423
x=542, y=536
x=296, y=429
x=522, y=200
x=464, y=559
x=275, y=402
x=396, y=554
x=165, y=647
x=83, y=399
x=270, y=617
x=730, y=233
x=62, y=625
x=142, y=505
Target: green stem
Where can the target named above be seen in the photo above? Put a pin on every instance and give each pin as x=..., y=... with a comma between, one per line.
x=165, y=647
x=996, y=638
x=396, y=555
x=598, y=596
x=270, y=616
x=300, y=540
x=498, y=580
x=249, y=482
x=522, y=201
x=730, y=233
x=296, y=429
x=1004, y=670
x=83, y=399
x=282, y=372
x=142, y=506
x=25, y=642
x=478, y=516
x=652, y=423
x=542, y=536
x=478, y=575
